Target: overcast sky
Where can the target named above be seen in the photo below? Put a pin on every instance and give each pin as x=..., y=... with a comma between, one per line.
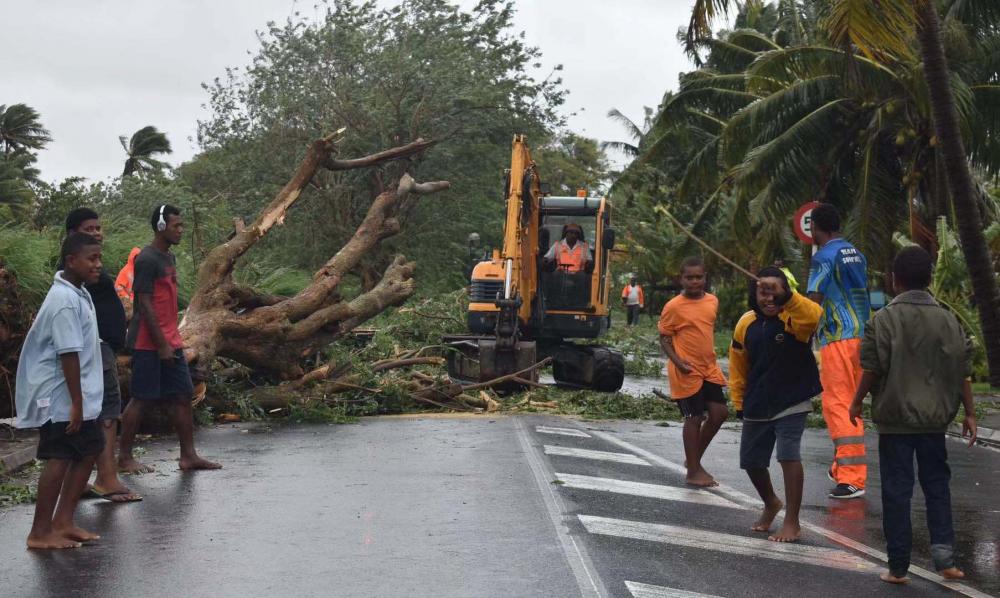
x=99, y=69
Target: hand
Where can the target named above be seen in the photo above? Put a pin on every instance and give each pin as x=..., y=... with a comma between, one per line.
x=75, y=419
x=969, y=427
x=779, y=292
x=739, y=414
x=166, y=354
x=684, y=366
x=855, y=412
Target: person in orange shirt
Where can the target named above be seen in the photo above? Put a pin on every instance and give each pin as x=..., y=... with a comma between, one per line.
x=687, y=336
x=123, y=283
x=571, y=253
x=634, y=300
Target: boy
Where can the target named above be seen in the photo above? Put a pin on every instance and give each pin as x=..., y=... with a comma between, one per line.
x=838, y=281
x=915, y=362
x=111, y=324
x=687, y=336
x=773, y=378
x=60, y=388
x=159, y=369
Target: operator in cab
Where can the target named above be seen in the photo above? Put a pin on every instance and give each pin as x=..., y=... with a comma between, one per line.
x=571, y=253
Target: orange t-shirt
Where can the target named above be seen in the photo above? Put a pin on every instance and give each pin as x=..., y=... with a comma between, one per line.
x=691, y=323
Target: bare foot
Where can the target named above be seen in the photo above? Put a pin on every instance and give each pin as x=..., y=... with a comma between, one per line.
x=198, y=463
x=76, y=534
x=952, y=573
x=789, y=532
x=134, y=467
x=767, y=517
x=890, y=578
x=700, y=479
x=52, y=541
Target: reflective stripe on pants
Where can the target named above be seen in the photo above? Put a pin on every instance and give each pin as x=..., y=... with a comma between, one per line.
x=840, y=375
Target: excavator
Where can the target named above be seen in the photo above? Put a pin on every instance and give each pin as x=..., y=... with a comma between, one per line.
x=524, y=307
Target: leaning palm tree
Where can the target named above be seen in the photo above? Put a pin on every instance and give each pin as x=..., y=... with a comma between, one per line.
x=883, y=32
x=20, y=129
x=145, y=143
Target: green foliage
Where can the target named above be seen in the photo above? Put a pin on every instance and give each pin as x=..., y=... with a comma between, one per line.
x=32, y=257
x=16, y=494
x=603, y=405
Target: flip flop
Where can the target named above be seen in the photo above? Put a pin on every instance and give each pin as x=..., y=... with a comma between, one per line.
x=110, y=496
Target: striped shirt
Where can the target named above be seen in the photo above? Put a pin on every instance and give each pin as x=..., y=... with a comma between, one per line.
x=840, y=273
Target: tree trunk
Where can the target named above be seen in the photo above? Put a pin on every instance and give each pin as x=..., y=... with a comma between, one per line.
x=274, y=334
x=969, y=223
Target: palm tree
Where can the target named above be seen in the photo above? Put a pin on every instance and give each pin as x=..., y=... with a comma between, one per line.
x=20, y=129
x=883, y=32
x=145, y=143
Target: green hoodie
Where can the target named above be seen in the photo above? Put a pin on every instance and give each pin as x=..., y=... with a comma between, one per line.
x=920, y=357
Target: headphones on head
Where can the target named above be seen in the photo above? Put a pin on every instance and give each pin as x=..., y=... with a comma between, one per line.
x=161, y=224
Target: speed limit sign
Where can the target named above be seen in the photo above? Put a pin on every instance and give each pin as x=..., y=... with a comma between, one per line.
x=802, y=222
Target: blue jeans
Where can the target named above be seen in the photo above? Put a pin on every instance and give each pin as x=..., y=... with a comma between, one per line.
x=896, y=453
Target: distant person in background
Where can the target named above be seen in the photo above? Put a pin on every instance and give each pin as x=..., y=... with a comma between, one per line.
x=838, y=281
x=792, y=283
x=916, y=365
x=634, y=300
x=123, y=283
x=111, y=326
x=570, y=253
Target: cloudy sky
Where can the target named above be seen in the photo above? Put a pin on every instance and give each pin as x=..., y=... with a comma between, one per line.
x=99, y=69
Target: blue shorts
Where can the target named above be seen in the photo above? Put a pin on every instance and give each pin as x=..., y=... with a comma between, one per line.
x=759, y=439
x=152, y=380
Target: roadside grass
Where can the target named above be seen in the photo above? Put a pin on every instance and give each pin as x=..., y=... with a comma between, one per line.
x=20, y=487
x=592, y=405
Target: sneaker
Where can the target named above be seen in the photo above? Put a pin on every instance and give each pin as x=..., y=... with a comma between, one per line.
x=846, y=491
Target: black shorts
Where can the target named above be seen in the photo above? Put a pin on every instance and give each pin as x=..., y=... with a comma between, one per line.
x=111, y=407
x=55, y=443
x=152, y=380
x=697, y=404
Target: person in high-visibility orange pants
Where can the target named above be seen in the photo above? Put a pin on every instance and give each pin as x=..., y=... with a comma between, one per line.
x=838, y=280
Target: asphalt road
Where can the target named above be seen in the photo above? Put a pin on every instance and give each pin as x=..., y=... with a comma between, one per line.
x=467, y=506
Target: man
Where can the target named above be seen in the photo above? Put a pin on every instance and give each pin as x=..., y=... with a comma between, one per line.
x=111, y=324
x=571, y=253
x=792, y=283
x=838, y=281
x=159, y=369
x=633, y=299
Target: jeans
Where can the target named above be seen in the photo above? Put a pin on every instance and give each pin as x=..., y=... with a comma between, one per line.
x=896, y=453
x=633, y=314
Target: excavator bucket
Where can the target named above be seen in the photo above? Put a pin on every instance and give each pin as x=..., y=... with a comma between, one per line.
x=479, y=359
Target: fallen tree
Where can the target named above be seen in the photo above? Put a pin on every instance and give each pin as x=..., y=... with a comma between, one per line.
x=274, y=335
x=14, y=322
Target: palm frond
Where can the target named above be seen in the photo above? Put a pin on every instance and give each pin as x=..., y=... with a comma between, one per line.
x=880, y=30
x=632, y=129
x=752, y=40
x=703, y=14
x=20, y=128
x=984, y=143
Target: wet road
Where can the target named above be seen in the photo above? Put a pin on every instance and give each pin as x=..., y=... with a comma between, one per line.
x=466, y=506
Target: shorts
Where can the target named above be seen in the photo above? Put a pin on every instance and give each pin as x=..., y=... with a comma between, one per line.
x=697, y=404
x=759, y=439
x=153, y=381
x=55, y=443
x=111, y=407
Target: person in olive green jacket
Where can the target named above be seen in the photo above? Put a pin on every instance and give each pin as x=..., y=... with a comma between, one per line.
x=915, y=360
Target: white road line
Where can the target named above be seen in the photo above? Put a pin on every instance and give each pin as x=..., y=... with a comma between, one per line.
x=753, y=502
x=587, y=579
x=563, y=451
x=645, y=490
x=706, y=540
x=644, y=590
x=562, y=431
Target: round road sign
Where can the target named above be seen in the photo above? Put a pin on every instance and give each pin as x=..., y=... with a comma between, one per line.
x=802, y=222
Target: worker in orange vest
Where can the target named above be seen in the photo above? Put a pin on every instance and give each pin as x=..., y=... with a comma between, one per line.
x=633, y=299
x=123, y=283
x=571, y=253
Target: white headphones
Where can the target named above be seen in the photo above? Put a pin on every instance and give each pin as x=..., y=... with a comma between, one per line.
x=161, y=224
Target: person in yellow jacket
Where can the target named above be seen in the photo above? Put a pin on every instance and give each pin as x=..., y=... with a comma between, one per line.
x=772, y=380
x=634, y=300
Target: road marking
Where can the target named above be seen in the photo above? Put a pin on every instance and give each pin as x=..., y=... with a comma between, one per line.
x=645, y=490
x=644, y=590
x=706, y=540
x=587, y=579
x=562, y=431
x=753, y=503
x=564, y=451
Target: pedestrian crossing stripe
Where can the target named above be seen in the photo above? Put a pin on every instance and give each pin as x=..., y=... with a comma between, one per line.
x=644, y=490
x=563, y=451
x=562, y=431
x=740, y=545
x=645, y=590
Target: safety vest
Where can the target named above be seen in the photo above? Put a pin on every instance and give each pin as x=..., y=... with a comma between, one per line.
x=123, y=284
x=571, y=260
x=628, y=291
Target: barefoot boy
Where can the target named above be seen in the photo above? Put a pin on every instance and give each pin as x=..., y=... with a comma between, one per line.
x=159, y=369
x=773, y=378
x=60, y=388
x=687, y=336
x=915, y=364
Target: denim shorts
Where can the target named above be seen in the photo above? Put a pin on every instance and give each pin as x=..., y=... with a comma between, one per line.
x=759, y=439
x=152, y=380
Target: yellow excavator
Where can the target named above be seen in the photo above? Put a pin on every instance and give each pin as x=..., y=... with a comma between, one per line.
x=528, y=300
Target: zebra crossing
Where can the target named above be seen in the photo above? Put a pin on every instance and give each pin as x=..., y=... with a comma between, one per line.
x=584, y=453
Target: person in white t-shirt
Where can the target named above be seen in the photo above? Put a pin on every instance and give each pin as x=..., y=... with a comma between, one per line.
x=634, y=300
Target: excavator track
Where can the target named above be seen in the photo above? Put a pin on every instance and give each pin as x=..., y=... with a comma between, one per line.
x=588, y=366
